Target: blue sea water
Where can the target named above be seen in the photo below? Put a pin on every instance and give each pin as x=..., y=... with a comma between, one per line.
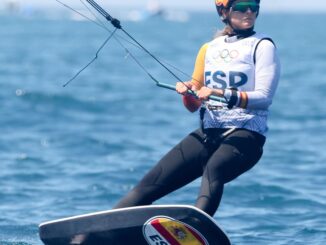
x=79, y=149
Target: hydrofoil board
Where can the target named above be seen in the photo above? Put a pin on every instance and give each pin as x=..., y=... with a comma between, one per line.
x=145, y=225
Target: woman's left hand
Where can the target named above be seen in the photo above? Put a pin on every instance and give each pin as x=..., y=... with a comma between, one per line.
x=205, y=92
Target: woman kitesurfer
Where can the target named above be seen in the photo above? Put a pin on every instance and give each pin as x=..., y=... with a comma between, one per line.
x=243, y=67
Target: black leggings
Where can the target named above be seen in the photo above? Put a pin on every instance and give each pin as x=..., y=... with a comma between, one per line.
x=217, y=159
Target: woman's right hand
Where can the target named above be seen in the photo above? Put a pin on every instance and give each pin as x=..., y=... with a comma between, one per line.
x=190, y=101
x=183, y=87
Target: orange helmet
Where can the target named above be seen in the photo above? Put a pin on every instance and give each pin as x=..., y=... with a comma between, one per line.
x=223, y=3
x=227, y=3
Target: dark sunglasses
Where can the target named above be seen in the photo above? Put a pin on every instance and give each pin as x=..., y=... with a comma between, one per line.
x=244, y=6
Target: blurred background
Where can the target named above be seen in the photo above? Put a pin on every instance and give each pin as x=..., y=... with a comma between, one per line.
x=79, y=149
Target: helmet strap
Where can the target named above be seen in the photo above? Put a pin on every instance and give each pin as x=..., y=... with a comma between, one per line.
x=243, y=33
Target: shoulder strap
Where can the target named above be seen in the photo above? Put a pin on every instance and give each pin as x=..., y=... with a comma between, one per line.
x=265, y=38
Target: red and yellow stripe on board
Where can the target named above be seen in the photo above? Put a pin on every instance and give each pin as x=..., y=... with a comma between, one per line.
x=176, y=232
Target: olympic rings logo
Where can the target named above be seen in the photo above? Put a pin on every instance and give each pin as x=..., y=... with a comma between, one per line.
x=227, y=56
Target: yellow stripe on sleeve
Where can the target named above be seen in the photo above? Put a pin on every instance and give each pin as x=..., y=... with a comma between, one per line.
x=198, y=74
